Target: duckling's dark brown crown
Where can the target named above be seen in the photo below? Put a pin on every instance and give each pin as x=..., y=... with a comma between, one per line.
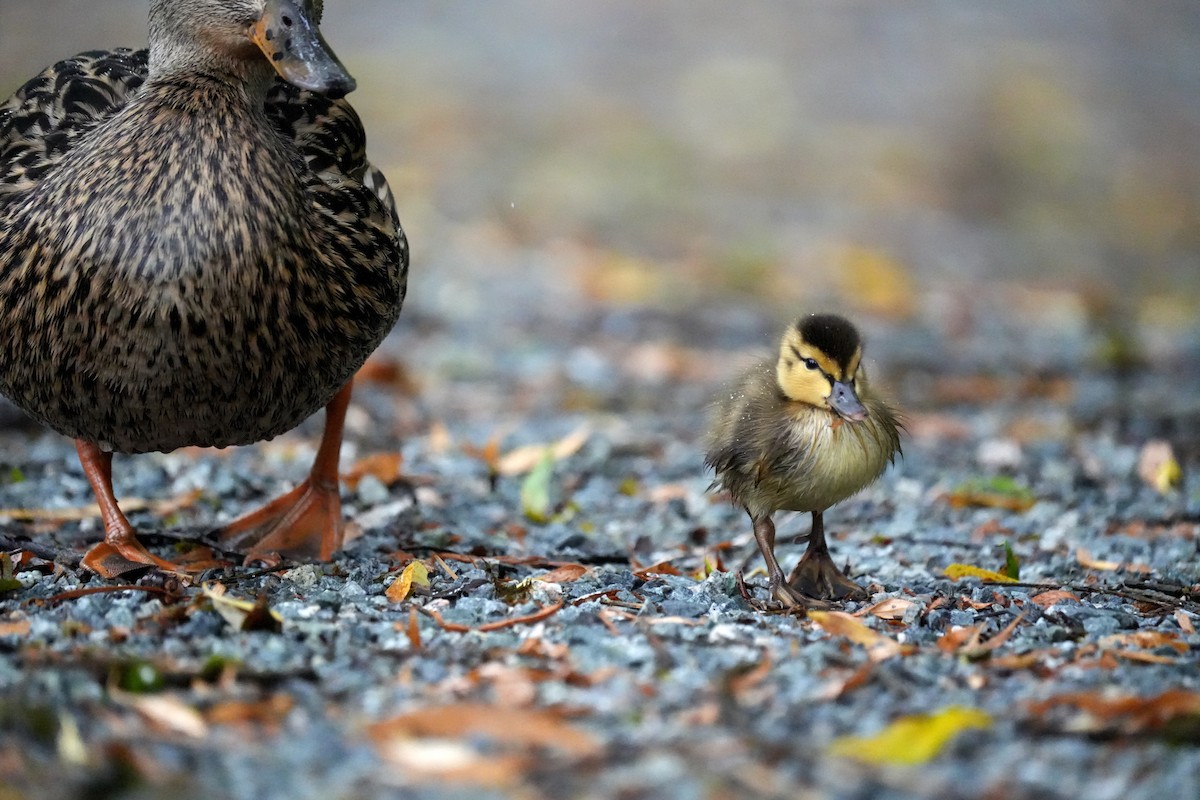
x=833, y=335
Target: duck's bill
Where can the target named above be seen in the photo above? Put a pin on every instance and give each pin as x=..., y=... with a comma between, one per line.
x=288, y=34
x=845, y=403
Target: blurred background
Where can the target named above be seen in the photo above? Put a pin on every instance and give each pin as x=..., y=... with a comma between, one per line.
x=601, y=194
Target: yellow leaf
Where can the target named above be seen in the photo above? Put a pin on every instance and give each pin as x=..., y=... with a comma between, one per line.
x=1158, y=466
x=958, y=571
x=911, y=740
x=235, y=610
x=415, y=572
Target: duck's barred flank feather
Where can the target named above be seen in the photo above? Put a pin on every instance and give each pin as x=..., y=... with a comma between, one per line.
x=177, y=268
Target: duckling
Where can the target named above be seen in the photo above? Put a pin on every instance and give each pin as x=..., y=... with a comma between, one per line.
x=194, y=250
x=801, y=433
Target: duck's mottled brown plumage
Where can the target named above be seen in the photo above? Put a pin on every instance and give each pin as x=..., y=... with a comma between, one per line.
x=183, y=261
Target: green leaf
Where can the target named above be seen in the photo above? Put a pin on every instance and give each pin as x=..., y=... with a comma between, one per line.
x=537, y=491
x=1000, y=491
x=140, y=677
x=8, y=582
x=1012, y=566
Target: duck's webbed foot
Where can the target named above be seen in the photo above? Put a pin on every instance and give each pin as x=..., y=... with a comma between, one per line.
x=115, y=559
x=120, y=553
x=793, y=599
x=307, y=521
x=787, y=596
x=817, y=576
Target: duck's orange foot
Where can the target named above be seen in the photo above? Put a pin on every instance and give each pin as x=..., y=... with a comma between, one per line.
x=305, y=523
x=117, y=557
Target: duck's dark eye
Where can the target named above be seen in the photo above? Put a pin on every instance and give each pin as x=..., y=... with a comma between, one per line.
x=811, y=363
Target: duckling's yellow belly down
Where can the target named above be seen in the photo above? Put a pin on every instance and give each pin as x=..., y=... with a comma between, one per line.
x=826, y=461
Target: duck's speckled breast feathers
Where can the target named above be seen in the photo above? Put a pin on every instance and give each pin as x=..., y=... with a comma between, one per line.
x=181, y=264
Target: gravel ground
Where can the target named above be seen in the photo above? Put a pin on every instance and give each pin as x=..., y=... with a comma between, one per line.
x=631, y=675
x=1050, y=143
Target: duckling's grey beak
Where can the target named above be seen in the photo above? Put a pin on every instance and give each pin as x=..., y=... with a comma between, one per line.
x=844, y=401
x=288, y=34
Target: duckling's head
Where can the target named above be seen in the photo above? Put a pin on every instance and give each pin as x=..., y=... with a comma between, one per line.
x=820, y=362
x=247, y=38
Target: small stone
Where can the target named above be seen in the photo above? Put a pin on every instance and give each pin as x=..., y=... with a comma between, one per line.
x=372, y=491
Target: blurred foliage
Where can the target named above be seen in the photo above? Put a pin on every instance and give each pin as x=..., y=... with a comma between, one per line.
x=871, y=155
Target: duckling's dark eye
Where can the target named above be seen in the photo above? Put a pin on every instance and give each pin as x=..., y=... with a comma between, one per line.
x=811, y=363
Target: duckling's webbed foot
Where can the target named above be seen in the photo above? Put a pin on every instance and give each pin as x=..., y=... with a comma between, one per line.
x=817, y=576
x=307, y=521
x=789, y=597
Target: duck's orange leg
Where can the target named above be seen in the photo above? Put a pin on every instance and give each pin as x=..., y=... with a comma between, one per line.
x=307, y=521
x=120, y=551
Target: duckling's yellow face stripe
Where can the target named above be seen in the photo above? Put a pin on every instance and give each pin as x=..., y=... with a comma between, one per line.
x=806, y=374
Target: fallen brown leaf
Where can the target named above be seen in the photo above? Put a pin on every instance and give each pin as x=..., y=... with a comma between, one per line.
x=1017, y=661
x=19, y=627
x=661, y=568
x=414, y=630
x=268, y=713
x=388, y=372
x=891, y=608
x=1145, y=639
x=506, y=728
x=839, y=623
x=1144, y=657
x=746, y=679
x=165, y=712
x=1098, y=712
x=567, y=573
x=954, y=639
x=384, y=467
x=852, y=680
x=1054, y=596
x=524, y=459
x=1084, y=557
x=500, y=624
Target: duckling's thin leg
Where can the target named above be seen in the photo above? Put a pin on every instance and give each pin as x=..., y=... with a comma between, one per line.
x=816, y=574
x=764, y=534
x=307, y=521
x=120, y=551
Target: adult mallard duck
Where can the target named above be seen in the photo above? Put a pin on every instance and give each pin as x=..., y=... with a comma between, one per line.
x=194, y=250
x=802, y=432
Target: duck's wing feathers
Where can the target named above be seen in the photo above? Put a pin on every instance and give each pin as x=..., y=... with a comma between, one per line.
x=41, y=121
x=331, y=138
